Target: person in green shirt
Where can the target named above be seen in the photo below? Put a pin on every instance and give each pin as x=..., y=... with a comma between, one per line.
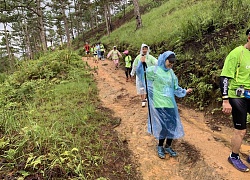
x=235, y=89
x=150, y=61
x=96, y=53
x=102, y=51
x=128, y=64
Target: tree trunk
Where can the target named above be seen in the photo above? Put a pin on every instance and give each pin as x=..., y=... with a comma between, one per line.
x=29, y=52
x=66, y=26
x=92, y=19
x=11, y=63
x=41, y=26
x=137, y=14
x=96, y=18
x=109, y=19
x=77, y=10
x=106, y=18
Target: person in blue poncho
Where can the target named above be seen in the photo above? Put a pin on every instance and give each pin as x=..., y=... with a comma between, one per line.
x=162, y=86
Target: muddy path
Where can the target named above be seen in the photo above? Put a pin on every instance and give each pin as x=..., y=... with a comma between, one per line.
x=202, y=152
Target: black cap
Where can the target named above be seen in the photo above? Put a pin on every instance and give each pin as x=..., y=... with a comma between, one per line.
x=171, y=58
x=248, y=32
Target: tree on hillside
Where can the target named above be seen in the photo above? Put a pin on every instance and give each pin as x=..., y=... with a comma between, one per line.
x=59, y=8
x=41, y=25
x=137, y=14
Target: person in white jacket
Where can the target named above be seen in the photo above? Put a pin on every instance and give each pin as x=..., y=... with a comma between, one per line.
x=150, y=61
x=114, y=54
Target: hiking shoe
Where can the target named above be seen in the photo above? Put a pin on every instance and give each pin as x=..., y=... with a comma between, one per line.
x=143, y=104
x=248, y=159
x=238, y=164
x=170, y=151
x=161, y=152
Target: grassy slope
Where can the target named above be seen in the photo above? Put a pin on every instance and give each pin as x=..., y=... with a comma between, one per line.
x=52, y=125
x=160, y=24
x=201, y=33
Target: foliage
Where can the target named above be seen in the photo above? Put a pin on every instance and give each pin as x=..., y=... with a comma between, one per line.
x=50, y=125
x=200, y=37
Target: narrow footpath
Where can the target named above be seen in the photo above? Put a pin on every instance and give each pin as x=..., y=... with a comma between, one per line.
x=202, y=152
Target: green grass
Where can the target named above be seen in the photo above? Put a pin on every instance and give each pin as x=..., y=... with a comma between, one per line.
x=51, y=125
x=198, y=32
x=174, y=21
x=161, y=24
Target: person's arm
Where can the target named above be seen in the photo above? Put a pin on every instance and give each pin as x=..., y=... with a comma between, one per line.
x=179, y=91
x=140, y=70
x=130, y=59
x=135, y=63
x=119, y=54
x=228, y=72
x=109, y=54
x=224, y=83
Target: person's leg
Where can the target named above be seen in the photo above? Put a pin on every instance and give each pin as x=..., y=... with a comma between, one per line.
x=117, y=63
x=239, y=113
x=129, y=72
x=143, y=100
x=168, y=148
x=162, y=134
x=126, y=72
x=160, y=149
x=161, y=142
x=169, y=142
x=236, y=140
x=102, y=55
x=248, y=110
x=87, y=55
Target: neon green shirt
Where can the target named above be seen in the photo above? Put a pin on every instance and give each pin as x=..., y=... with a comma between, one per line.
x=101, y=47
x=240, y=56
x=128, y=61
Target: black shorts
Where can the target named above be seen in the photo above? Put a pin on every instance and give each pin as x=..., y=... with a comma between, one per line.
x=87, y=52
x=240, y=108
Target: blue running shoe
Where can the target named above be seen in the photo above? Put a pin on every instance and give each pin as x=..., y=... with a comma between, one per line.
x=170, y=151
x=248, y=159
x=238, y=164
x=161, y=152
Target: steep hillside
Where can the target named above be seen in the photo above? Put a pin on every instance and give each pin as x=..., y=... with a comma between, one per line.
x=200, y=32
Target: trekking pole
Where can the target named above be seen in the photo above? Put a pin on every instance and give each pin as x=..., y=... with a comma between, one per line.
x=146, y=83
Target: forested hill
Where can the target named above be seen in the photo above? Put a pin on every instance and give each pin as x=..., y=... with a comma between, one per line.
x=200, y=32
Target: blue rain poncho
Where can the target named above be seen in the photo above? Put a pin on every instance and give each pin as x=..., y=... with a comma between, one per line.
x=162, y=88
x=140, y=81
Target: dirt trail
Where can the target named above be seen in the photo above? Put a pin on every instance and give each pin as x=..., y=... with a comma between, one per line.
x=202, y=152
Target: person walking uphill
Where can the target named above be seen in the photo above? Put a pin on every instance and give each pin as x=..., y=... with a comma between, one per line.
x=128, y=64
x=235, y=89
x=114, y=54
x=87, y=49
x=102, y=51
x=150, y=61
x=162, y=87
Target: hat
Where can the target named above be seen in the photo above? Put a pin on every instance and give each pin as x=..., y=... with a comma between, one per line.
x=171, y=58
x=125, y=52
x=248, y=32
